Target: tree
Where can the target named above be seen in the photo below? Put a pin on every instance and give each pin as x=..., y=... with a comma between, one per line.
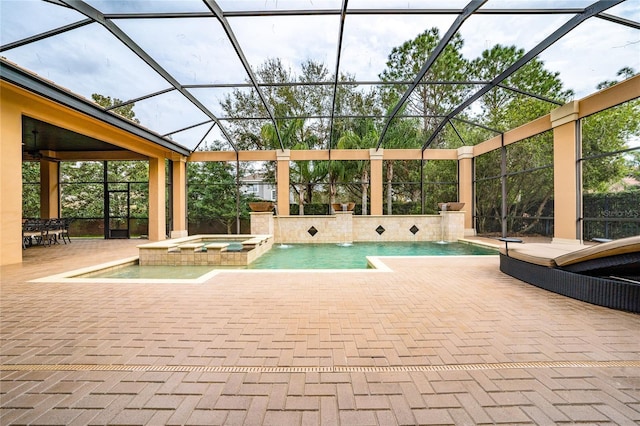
x=82, y=189
x=305, y=174
x=431, y=101
x=285, y=99
x=300, y=110
x=124, y=110
x=403, y=133
x=30, y=189
x=290, y=104
x=504, y=109
x=366, y=137
x=355, y=133
x=609, y=131
x=439, y=184
x=634, y=164
x=297, y=107
x=212, y=192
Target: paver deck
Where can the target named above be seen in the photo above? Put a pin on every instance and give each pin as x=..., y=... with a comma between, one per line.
x=436, y=341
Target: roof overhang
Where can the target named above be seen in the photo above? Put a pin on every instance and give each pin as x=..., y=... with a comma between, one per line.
x=41, y=87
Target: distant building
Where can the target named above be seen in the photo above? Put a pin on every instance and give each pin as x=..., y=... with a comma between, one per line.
x=255, y=185
x=626, y=184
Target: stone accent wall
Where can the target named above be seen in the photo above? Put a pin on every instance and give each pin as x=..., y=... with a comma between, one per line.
x=313, y=229
x=453, y=225
x=344, y=227
x=262, y=223
x=397, y=228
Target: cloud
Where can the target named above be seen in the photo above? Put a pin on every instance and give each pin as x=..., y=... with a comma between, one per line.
x=88, y=60
x=293, y=39
x=196, y=51
x=593, y=52
x=168, y=112
x=369, y=40
x=42, y=16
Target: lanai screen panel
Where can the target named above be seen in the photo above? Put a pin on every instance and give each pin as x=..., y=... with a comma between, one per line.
x=178, y=62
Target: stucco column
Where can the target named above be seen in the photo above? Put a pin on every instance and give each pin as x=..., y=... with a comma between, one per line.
x=157, y=199
x=376, y=157
x=10, y=182
x=565, y=182
x=283, y=157
x=179, y=196
x=49, y=189
x=465, y=187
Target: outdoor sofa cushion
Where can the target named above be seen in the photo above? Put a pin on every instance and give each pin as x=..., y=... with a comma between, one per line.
x=598, y=251
x=565, y=255
x=539, y=253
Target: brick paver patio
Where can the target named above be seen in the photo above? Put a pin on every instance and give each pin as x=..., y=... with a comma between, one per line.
x=436, y=341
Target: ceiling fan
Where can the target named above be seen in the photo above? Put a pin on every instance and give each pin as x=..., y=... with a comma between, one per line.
x=33, y=153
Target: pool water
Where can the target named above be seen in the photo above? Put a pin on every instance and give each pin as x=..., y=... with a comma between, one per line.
x=335, y=256
x=301, y=256
x=151, y=272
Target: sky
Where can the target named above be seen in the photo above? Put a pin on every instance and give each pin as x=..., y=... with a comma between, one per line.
x=195, y=51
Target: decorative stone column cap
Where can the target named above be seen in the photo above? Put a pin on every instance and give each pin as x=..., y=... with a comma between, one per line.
x=376, y=154
x=565, y=114
x=465, y=152
x=283, y=154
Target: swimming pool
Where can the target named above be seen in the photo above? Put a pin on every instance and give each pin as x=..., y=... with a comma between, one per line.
x=139, y=272
x=297, y=256
x=336, y=256
x=319, y=257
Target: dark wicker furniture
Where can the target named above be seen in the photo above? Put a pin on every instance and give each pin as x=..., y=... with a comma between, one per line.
x=607, y=274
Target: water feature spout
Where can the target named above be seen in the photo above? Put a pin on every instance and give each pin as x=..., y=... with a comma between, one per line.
x=443, y=208
x=282, y=245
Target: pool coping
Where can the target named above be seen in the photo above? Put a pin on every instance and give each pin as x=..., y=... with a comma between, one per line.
x=70, y=276
x=376, y=262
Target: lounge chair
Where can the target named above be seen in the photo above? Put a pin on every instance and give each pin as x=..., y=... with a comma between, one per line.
x=606, y=274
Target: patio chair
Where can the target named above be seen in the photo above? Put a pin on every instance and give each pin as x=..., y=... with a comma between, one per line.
x=28, y=233
x=34, y=231
x=606, y=274
x=62, y=230
x=54, y=228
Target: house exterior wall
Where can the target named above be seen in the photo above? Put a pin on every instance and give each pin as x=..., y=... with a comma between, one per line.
x=10, y=178
x=259, y=189
x=17, y=102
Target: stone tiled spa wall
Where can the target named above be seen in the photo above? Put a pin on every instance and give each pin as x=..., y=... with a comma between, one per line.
x=346, y=227
x=188, y=251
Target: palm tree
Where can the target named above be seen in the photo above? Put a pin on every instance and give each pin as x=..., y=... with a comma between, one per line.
x=401, y=134
x=351, y=140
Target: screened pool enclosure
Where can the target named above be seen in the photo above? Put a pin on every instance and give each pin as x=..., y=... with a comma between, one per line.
x=166, y=118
